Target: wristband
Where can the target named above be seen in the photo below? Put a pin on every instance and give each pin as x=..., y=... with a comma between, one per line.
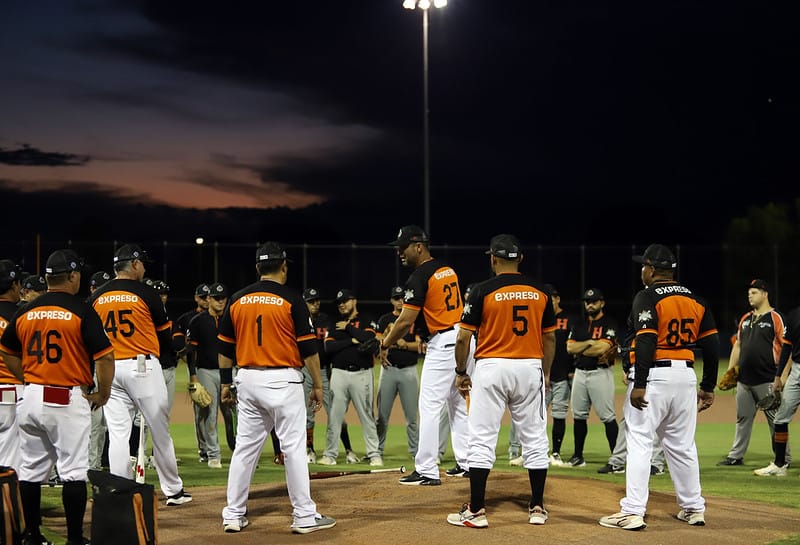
x=226, y=375
x=462, y=373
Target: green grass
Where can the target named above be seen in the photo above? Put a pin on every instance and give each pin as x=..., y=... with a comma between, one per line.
x=713, y=442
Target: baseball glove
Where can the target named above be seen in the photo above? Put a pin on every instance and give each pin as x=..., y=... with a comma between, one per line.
x=729, y=379
x=609, y=357
x=770, y=402
x=370, y=346
x=199, y=394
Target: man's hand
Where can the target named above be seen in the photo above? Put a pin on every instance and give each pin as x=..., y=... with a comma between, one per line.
x=315, y=399
x=342, y=325
x=637, y=398
x=704, y=400
x=227, y=395
x=96, y=399
x=463, y=385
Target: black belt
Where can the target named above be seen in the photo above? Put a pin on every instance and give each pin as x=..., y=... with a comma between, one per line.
x=668, y=363
x=593, y=368
x=443, y=331
x=349, y=367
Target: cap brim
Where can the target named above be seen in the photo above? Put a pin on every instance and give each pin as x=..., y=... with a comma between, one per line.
x=638, y=259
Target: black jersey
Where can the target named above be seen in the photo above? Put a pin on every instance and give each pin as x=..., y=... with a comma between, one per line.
x=563, y=361
x=202, y=340
x=604, y=328
x=399, y=358
x=343, y=352
x=760, y=341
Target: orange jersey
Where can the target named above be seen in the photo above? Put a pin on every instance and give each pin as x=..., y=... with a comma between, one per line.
x=133, y=316
x=267, y=325
x=510, y=314
x=433, y=289
x=7, y=311
x=58, y=337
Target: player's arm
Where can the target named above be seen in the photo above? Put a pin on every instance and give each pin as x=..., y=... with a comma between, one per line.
x=463, y=381
x=736, y=350
x=400, y=328
x=549, y=348
x=104, y=369
x=14, y=364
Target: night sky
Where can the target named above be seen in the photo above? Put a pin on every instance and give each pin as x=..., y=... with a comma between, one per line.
x=575, y=122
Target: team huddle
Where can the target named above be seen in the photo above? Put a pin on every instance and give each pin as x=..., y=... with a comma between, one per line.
x=268, y=360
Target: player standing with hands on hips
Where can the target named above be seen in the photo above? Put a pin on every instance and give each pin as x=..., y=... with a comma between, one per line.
x=268, y=329
x=669, y=322
x=51, y=345
x=515, y=326
x=432, y=289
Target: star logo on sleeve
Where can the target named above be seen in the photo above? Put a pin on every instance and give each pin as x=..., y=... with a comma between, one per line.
x=408, y=295
x=467, y=309
x=645, y=316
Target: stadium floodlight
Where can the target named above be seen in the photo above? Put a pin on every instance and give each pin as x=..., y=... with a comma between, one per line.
x=410, y=4
x=439, y=3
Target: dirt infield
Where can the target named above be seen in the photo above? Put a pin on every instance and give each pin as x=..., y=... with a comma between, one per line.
x=376, y=509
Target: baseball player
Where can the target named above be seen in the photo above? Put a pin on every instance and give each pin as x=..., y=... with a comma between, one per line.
x=431, y=290
x=616, y=462
x=32, y=287
x=790, y=397
x=352, y=379
x=320, y=321
x=515, y=326
x=137, y=324
x=203, y=360
x=593, y=342
x=179, y=345
x=50, y=345
x=759, y=339
x=557, y=396
x=268, y=330
x=10, y=386
x=399, y=376
x=670, y=322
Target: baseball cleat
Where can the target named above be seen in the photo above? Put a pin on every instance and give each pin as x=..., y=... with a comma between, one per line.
x=467, y=518
x=321, y=522
x=694, y=518
x=415, y=479
x=537, y=515
x=235, y=525
x=626, y=521
x=180, y=498
x=772, y=469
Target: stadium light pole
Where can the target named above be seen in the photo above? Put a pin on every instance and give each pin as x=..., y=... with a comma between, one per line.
x=425, y=5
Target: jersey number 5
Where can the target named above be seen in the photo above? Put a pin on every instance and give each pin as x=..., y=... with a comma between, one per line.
x=520, y=326
x=119, y=321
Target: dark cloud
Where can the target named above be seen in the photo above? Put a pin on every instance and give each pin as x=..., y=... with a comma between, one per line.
x=34, y=157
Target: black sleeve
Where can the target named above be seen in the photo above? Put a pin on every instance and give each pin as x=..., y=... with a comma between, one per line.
x=710, y=347
x=645, y=352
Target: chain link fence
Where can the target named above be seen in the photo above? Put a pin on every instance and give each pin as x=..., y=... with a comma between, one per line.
x=718, y=273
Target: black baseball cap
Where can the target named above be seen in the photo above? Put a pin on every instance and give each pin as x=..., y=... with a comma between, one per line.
x=505, y=246
x=396, y=292
x=218, y=290
x=409, y=235
x=551, y=289
x=63, y=261
x=270, y=251
x=310, y=294
x=593, y=294
x=657, y=255
x=161, y=286
x=34, y=282
x=130, y=252
x=759, y=284
x=10, y=272
x=202, y=290
x=343, y=295
x=99, y=278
